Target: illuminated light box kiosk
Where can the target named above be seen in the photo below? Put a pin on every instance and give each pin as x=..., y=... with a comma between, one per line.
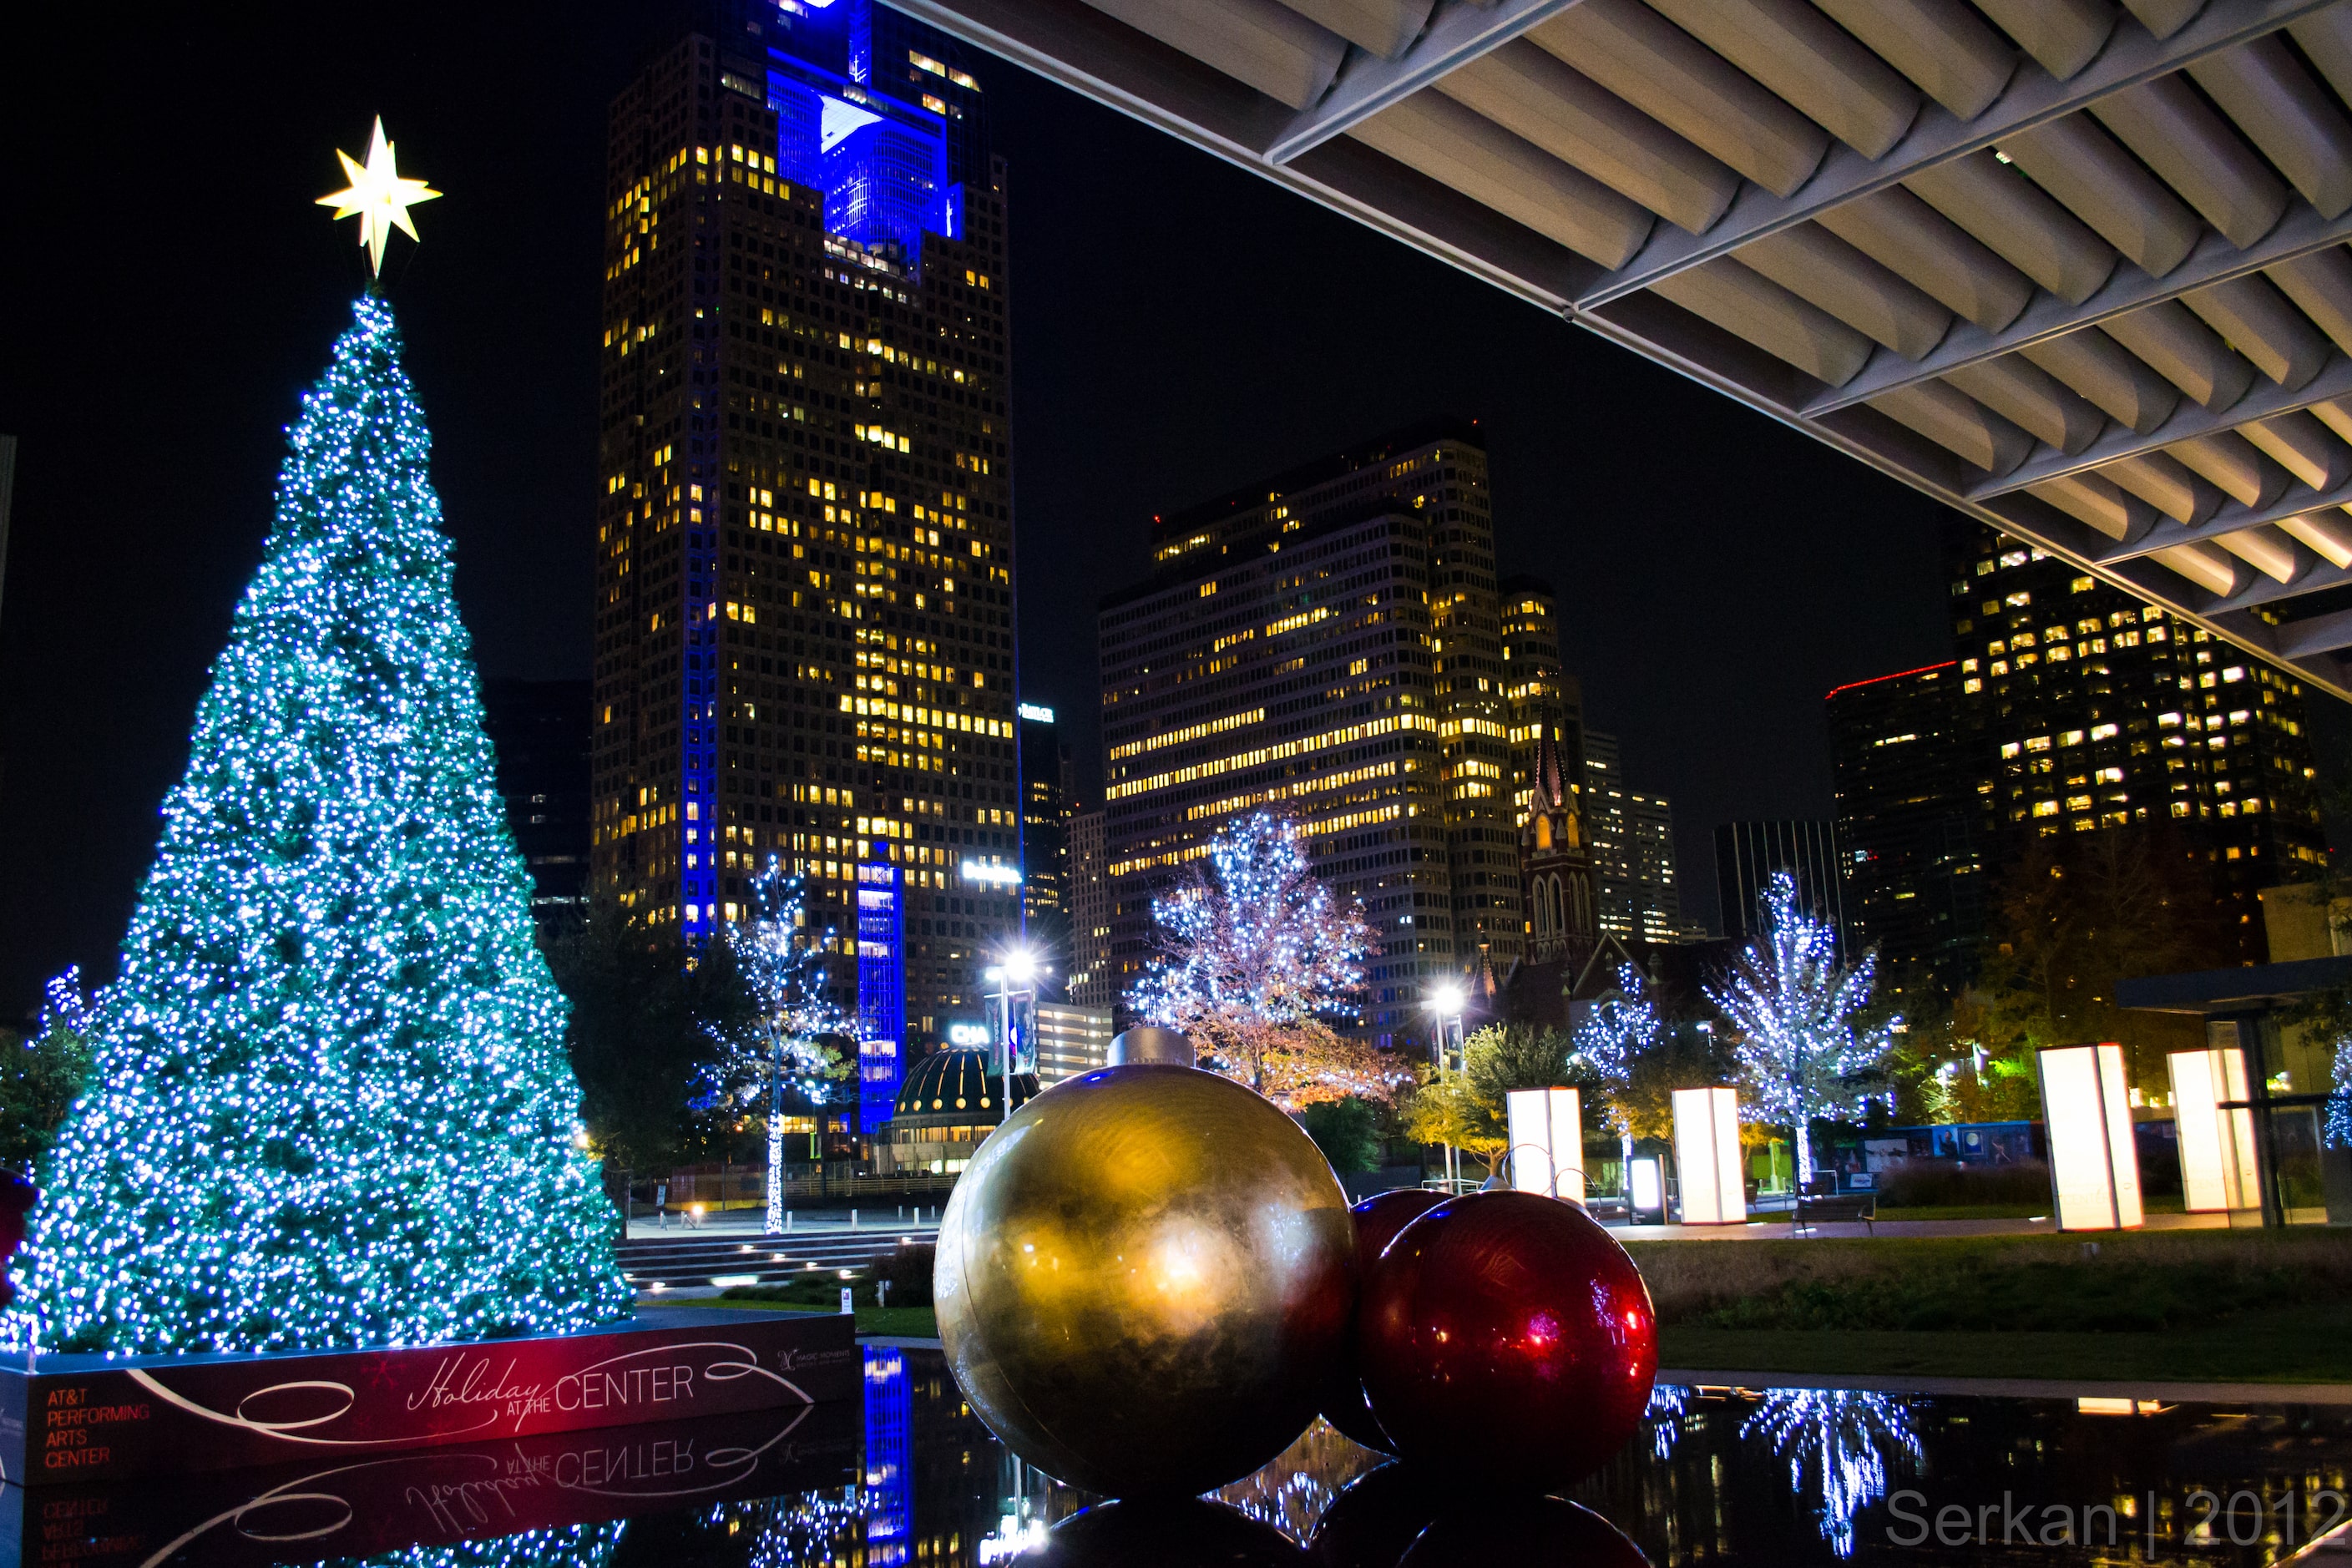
x=2265, y=1131
x=1547, y=1133
x=327, y=1191
x=2094, y=1162
x=1706, y=1156
x=2220, y=1169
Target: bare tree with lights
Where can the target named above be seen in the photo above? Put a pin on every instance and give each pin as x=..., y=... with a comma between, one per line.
x=1611, y=1039
x=1801, y=1051
x=783, y=961
x=1257, y=956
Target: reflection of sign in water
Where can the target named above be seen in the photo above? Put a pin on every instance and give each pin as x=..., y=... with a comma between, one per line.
x=1836, y=1441
x=890, y=1459
x=527, y=1501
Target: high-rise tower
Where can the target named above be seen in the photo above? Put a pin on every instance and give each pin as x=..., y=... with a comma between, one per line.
x=1915, y=789
x=1542, y=698
x=1326, y=643
x=1748, y=855
x=1546, y=708
x=804, y=640
x=1632, y=835
x=1046, y=803
x=2102, y=712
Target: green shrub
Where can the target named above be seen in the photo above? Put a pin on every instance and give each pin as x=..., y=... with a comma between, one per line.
x=908, y=1270
x=1347, y=1132
x=1946, y=1183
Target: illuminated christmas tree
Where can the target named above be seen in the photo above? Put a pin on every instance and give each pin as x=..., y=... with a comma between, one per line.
x=329, y=1103
x=1256, y=955
x=1803, y=1050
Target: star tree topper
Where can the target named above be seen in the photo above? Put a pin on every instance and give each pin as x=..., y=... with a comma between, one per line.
x=379, y=196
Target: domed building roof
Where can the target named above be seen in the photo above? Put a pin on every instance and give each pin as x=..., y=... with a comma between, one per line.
x=958, y=1086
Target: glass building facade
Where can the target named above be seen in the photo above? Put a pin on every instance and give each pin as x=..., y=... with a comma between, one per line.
x=1326, y=643
x=805, y=631
x=1911, y=821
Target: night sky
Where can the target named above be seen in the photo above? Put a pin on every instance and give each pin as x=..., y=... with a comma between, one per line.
x=1180, y=328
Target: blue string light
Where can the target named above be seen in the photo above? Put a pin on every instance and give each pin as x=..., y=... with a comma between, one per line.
x=329, y=1105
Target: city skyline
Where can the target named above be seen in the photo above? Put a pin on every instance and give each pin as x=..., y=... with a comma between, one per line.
x=1165, y=369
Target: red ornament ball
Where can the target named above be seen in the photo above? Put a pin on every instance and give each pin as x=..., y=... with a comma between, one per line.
x=1508, y=1338
x=1378, y=1220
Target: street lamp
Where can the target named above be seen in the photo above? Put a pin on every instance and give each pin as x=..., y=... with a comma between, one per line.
x=1016, y=976
x=1448, y=1001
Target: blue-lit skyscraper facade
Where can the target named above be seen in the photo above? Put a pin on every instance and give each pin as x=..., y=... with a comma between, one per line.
x=804, y=620
x=881, y=990
x=889, y=1471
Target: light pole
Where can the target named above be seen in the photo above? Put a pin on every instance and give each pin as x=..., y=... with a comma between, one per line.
x=1446, y=1001
x=1016, y=977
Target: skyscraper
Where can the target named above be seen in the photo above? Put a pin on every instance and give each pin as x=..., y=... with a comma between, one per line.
x=1090, y=980
x=539, y=729
x=1542, y=698
x=1545, y=710
x=804, y=591
x=1747, y=855
x=1914, y=795
x=2102, y=712
x=1045, y=805
x=1633, y=839
x=1326, y=643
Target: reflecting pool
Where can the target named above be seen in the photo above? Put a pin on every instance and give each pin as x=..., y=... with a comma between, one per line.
x=907, y=1478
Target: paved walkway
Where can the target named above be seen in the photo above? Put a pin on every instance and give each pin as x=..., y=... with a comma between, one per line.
x=1774, y=1227
x=750, y=1223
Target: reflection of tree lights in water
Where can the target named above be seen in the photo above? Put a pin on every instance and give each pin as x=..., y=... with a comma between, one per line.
x=584, y=1545
x=789, y=1531
x=1839, y=1435
x=1292, y=1491
x=1667, y=1406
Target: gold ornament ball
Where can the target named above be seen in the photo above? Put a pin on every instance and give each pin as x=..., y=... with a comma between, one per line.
x=1145, y=1280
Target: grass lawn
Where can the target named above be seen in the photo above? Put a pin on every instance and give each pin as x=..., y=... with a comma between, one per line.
x=2187, y=1306
x=2309, y=1343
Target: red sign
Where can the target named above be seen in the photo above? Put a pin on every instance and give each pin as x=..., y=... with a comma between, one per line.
x=340, y=1508
x=84, y=1417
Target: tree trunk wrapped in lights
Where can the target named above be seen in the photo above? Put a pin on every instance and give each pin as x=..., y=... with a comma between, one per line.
x=783, y=962
x=329, y=1105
